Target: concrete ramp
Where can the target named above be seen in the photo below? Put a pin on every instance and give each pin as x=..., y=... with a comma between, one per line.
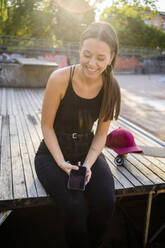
x=26, y=72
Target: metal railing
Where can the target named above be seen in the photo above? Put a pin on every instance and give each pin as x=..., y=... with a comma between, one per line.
x=18, y=43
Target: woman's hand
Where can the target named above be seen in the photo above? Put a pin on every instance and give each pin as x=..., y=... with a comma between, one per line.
x=67, y=167
x=88, y=174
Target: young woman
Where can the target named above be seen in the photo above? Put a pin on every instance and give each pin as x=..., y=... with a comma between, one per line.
x=75, y=98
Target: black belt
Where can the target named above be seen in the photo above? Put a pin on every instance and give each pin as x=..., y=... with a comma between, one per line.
x=75, y=135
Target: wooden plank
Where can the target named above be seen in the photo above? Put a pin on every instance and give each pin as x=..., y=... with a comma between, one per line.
x=40, y=95
x=32, y=120
x=3, y=104
x=34, y=103
x=9, y=105
x=29, y=178
x=117, y=184
x=122, y=169
x=133, y=163
x=33, y=114
x=28, y=138
x=5, y=162
x=20, y=102
x=14, y=104
x=119, y=176
x=34, y=100
x=134, y=170
x=34, y=135
x=150, y=164
x=0, y=139
x=37, y=100
x=28, y=171
x=1, y=90
x=19, y=188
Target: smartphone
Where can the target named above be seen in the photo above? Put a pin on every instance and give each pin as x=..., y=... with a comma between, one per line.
x=77, y=179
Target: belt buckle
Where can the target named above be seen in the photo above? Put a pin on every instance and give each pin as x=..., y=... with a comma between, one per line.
x=74, y=135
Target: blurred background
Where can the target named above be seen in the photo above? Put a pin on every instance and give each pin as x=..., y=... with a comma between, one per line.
x=49, y=30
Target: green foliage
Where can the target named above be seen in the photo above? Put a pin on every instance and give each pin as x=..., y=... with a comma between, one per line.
x=136, y=3
x=43, y=19
x=23, y=18
x=72, y=24
x=132, y=31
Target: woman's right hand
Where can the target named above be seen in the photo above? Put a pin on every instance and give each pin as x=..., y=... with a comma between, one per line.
x=67, y=167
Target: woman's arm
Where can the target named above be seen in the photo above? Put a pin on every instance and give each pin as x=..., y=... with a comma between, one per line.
x=96, y=147
x=54, y=92
x=98, y=142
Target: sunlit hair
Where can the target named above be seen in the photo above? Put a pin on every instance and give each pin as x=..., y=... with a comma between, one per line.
x=104, y=31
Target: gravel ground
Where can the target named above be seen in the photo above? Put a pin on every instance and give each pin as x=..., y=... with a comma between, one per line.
x=143, y=101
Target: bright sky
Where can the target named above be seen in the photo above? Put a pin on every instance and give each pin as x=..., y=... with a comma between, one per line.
x=160, y=4
x=106, y=3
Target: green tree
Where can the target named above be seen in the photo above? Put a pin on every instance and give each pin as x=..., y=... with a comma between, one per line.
x=132, y=31
x=44, y=19
x=26, y=18
x=70, y=24
x=136, y=3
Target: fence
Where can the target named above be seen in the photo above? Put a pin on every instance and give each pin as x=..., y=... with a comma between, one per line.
x=135, y=59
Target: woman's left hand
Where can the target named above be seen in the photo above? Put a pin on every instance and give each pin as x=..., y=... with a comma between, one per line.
x=88, y=173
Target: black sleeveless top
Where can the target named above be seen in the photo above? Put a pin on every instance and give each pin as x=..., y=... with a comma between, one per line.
x=74, y=115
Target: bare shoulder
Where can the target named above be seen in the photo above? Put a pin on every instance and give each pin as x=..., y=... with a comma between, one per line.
x=58, y=81
x=60, y=74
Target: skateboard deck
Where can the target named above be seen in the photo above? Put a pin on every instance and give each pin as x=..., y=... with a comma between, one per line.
x=152, y=151
x=146, y=150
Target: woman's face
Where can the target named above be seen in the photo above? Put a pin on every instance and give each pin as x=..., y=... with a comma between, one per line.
x=95, y=55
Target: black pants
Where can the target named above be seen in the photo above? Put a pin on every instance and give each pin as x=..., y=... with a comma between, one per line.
x=86, y=214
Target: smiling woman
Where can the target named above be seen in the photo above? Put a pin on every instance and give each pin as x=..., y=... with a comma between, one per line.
x=75, y=98
x=95, y=55
x=101, y=42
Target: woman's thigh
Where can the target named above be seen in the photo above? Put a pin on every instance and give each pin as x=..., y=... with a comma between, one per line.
x=50, y=175
x=100, y=190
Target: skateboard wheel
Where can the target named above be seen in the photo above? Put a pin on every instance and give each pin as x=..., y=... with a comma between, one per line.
x=119, y=160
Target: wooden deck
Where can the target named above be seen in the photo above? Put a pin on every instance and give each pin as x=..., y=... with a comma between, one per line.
x=20, y=114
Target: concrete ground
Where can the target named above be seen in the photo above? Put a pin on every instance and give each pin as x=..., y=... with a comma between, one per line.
x=143, y=101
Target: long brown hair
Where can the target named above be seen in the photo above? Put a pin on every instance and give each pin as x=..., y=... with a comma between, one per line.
x=110, y=107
